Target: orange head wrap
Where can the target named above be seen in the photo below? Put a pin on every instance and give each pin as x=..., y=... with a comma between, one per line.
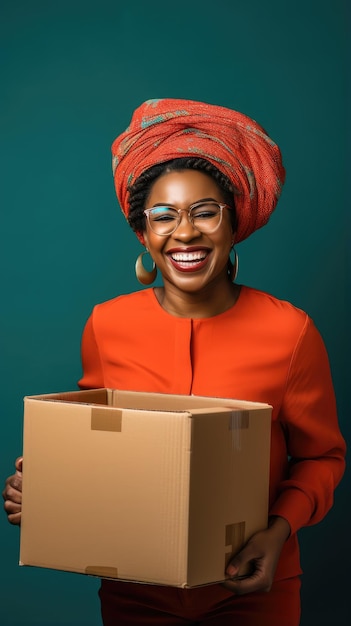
x=161, y=130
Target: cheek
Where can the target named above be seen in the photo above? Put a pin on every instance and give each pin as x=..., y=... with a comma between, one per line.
x=152, y=243
x=225, y=241
x=148, y=239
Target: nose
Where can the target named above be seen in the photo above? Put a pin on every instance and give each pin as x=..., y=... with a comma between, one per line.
x=185, y=229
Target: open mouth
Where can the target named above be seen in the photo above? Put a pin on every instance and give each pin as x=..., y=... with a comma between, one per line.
x=189, y=261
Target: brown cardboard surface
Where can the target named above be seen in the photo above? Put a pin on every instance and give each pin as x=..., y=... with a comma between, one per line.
x=144, y=487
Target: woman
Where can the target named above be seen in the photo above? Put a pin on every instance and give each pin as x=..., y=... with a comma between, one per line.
x=193, y=180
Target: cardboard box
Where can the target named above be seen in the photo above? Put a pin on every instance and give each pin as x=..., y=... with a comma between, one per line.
x=144, y=487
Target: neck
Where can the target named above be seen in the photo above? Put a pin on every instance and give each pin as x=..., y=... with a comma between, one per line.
x=205, y=303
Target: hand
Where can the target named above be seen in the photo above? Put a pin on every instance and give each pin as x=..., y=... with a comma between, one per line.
x=12, y=494
x=261, y=553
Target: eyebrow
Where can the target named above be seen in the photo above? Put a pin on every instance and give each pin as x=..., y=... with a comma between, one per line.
x=159, y=204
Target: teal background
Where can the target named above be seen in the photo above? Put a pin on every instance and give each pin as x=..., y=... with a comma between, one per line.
x=71, y=74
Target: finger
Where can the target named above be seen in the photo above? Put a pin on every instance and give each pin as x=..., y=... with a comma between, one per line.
x=241, y=564
x=14, y=518
x=12, y=507
x=236, y=587
x=19, y=464
x=248, y=584
x=13, y=512
x=15, y=482
x=231, y=586
x=245, y=562
x=12, y=494
x=233, y=569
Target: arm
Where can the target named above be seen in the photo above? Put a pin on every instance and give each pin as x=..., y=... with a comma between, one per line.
x=93, y=376
x=316, y=450
x=315, y=445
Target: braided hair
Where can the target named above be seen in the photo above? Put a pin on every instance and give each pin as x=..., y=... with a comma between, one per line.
x=140, y=190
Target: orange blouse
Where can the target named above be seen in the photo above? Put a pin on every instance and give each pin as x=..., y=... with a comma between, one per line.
x=263, y=350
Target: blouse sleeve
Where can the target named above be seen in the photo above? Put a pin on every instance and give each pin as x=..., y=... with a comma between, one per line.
x=93, y=377
x=315, y=445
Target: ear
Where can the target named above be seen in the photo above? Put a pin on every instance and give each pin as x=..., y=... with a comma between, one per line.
x=144, y=239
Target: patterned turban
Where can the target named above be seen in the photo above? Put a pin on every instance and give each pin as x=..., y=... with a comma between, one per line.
x=161, y=130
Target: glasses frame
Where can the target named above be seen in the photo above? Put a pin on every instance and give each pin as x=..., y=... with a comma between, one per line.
x=221, y=206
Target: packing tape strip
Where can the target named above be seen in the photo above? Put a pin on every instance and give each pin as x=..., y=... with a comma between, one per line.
x=239, y=420
x=107, y=419
x=102, y=571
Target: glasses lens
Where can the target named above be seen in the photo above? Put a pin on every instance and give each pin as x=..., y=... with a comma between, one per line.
x=163, y=220
x=206, y=217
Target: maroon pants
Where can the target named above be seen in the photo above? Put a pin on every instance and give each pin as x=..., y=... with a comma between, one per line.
x=152, y=605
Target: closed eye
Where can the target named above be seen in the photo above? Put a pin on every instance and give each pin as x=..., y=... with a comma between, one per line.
x=163, y=218
x=204, y=215
x=163, y=214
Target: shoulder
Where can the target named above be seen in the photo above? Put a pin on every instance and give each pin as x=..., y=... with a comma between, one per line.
x=125, y=302
x=122, y=311
x=276, y=322
x=279, y=316
x=272, y=305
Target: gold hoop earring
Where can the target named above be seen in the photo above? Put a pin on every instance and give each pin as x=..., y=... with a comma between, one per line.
x=143, y=275
x=233, y=266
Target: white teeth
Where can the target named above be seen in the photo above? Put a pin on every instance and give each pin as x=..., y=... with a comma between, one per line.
x=189, y=256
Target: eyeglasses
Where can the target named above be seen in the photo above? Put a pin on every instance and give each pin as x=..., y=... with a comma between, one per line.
x=206, y=217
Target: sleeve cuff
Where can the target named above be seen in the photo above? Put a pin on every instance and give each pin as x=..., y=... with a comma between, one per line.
x=295, y=506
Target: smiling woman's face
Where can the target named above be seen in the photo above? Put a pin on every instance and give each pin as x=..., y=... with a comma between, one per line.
x=189, y=260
